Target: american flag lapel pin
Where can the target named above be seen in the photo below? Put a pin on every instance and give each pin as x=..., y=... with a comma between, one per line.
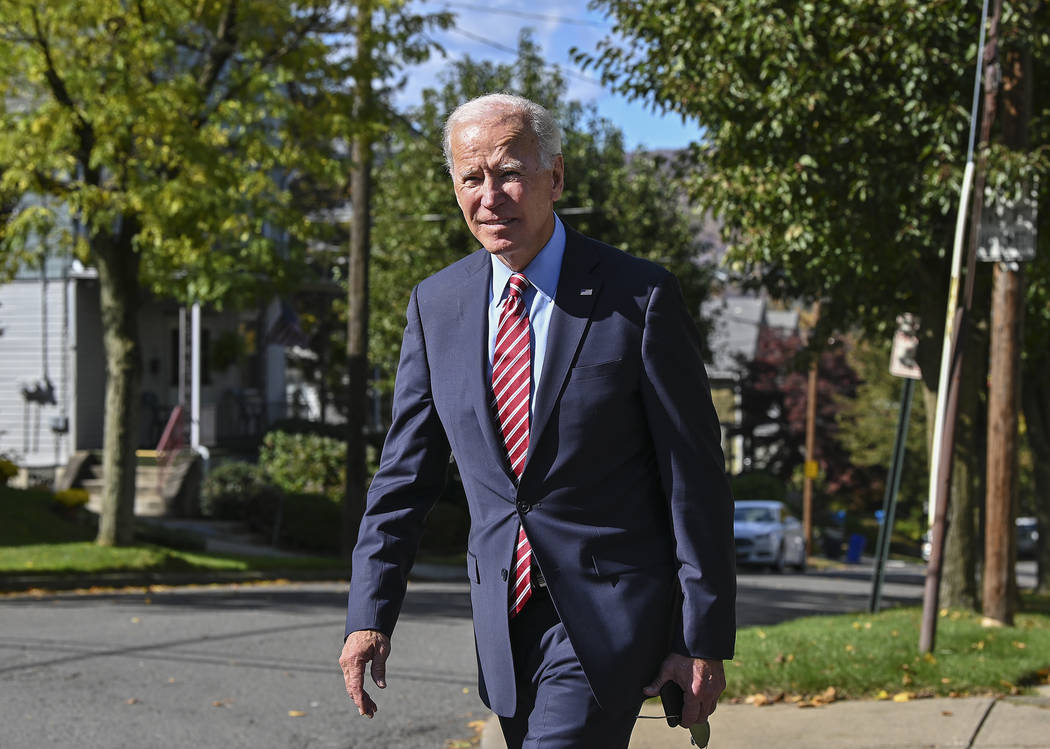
x=586, y=292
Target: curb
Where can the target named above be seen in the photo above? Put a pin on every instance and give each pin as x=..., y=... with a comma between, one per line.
x=58, y=582
x=25, y=583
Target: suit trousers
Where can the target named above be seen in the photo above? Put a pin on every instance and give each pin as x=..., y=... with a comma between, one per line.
x=556, y=708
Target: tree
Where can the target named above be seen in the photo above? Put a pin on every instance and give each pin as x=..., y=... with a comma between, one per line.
x=833, y=156
x=176, y=133
x=773, y=415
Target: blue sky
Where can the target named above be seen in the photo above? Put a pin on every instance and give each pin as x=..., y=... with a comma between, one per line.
x=484, y=27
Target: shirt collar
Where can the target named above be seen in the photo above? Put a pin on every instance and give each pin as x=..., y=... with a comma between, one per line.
x=543, y=271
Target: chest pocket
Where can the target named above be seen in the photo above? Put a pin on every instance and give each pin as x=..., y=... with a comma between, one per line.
x=594, y=371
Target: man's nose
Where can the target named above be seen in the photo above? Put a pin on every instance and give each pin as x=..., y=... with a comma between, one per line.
x=491, y=192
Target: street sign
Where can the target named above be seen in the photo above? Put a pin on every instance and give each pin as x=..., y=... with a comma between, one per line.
x=811, y=469
x=905, y=344
x=1008, y=229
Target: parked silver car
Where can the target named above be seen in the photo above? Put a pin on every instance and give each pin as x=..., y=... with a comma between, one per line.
x=768, y=534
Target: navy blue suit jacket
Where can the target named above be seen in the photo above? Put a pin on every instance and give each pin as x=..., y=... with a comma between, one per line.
x=624, y=496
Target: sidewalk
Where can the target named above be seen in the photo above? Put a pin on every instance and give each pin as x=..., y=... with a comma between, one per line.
x=979, y=722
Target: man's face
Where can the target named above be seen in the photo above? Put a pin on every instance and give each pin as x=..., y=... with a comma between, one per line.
x=507, y=198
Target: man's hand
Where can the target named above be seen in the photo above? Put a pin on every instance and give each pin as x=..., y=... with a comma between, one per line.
x=361, y=647
x=701, y=681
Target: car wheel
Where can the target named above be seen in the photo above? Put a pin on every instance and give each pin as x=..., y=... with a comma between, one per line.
x=801, y=566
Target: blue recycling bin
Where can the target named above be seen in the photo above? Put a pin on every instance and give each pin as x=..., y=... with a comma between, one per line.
x=855, y=548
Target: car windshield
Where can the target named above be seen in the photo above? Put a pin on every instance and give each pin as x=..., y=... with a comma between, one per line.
x=754, y=515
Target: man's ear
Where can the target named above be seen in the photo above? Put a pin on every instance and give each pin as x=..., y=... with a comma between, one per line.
x=557, y=177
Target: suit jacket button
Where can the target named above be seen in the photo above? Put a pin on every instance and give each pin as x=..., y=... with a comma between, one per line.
x=523, y=506
x=504, y=574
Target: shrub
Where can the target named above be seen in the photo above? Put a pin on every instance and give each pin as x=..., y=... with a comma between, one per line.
x=311, y=522
x=305, y=463
x=72, y=498
x=305, y=426
x=240, y=491
x=8, y=471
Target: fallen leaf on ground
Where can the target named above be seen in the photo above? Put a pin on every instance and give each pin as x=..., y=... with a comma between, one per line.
x=902, y=697
x=131, y=701
x=826, y=697
x=296, y=713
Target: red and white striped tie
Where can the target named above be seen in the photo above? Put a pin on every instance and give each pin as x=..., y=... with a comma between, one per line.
x=511, y=384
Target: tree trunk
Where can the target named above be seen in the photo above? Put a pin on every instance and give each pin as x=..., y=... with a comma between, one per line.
x=357, y=302
x=118, y=273
x=1035, y=401
x=357, y=344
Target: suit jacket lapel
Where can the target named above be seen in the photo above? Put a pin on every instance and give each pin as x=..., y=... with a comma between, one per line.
x=578, y=288
x=473, y=312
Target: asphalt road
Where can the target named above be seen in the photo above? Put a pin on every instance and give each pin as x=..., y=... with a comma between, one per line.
x=255, y=666
x=228, y=667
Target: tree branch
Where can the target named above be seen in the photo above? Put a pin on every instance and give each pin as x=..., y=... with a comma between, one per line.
x=221, y=50
x=291, y=44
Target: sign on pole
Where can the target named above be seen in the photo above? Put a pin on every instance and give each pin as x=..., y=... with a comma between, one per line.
x=1008, y=228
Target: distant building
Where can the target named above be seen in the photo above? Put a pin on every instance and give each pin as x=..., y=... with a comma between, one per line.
x=737, y=320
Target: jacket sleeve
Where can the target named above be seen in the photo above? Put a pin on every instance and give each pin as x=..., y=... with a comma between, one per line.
x=412, y=473
x=687, y=440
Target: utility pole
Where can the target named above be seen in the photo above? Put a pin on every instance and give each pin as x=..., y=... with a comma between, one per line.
x=955, y=333
x=810, y=471
x=357, y=272
x=1000, y=553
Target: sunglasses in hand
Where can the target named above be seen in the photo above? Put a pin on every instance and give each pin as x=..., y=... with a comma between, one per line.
x=672, y=698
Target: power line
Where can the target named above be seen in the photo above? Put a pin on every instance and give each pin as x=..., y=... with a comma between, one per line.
x=523, y=14
x=509, y=50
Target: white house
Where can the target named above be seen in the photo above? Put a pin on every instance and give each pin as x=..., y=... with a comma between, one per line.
x=52, y=368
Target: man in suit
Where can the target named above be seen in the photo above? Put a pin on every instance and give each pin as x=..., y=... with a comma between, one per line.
x=565, y=378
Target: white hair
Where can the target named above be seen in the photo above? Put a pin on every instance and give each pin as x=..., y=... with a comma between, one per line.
x=538, y=119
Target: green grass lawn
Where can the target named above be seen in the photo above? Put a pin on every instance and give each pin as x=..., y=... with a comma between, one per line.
x=863, y=655
x=29, y=517
x=37, y=538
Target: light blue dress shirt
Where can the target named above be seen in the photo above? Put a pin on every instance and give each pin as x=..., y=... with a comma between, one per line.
x=543, y=274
